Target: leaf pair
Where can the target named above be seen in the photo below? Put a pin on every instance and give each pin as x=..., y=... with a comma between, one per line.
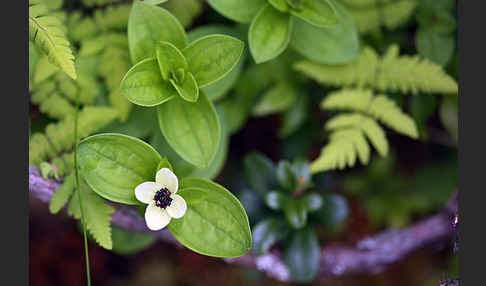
x=296, y=209
x=215, y=223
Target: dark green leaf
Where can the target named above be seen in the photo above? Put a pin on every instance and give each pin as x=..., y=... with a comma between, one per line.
x=313, y=201
x=277, y=99
x=260, y=173
x=267, y=232
x=129, y=242
x=302, y=255
x=434, y=46
x=286, y=176
x=296, y=213
x=275, y=200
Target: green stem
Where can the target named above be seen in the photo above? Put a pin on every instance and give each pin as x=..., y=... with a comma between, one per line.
x=76, y=175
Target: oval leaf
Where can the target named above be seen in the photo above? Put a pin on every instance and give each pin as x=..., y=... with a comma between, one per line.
x=296, y=213
x=114, y=164
x=267, y=232
x=279, y=98
x=269, y=34
x=334, y=45
x=169, y=58
x=320, y=13
x=143, y=84
x=149, y=24
x=212, y=57
x=188, y=89
x=215, y=223
x=237, y=10
x=260, y=173
x=191, y=129
x=302, y=256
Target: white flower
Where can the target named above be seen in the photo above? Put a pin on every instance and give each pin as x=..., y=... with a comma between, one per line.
x=163, y=203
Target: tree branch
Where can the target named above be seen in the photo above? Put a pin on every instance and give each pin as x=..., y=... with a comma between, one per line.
x=369, y=255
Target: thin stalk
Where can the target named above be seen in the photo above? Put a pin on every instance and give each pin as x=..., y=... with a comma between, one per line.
x=76, y=175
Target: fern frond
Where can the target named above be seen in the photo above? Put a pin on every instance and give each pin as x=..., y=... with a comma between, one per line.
x=390, y=73
x=379, y=107
x=97, y=214
x=347, y=142
x=46, y=31
x=62, y=194
x=58, y=137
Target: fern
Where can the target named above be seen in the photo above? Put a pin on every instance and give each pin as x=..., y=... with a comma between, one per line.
x=351, y=132
x=46, y=31
x=97, y=214
x=371, y=15
x=58, y=137
x=62, y=194
x=388, y=73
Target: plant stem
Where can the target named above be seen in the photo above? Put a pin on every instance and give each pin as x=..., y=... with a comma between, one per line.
x=76, y=175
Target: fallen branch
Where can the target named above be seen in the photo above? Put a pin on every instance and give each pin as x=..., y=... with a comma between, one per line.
x=369, y=255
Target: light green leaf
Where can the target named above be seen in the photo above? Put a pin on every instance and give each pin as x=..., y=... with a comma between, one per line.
x=211, y=57
x=165, y=164
x=215, y=223
x=320, y=13
x=154, y=2
x=170, y=59
x=302, y=256
x=277, y=99
x=97, y=214
x=149, y=24
x=114, y=164
x=269, y=34
x=280, y=5
x=334, y=45
x=47, y=32
x=267, y=232
x=237, y=10
x=188, y=89
x=191, y=129
x=143, y=84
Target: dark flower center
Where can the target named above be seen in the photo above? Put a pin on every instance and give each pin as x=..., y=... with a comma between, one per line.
x=162, y=198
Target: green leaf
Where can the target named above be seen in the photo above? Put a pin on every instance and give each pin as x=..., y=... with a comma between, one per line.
x=181, y=167
x=215, y=223
x=237, y=10
x=434, y=46
x=279, y=98
x=211, y=57
x=170, y=59
x=130, y=242
x=334, y=45
x=334, y=212
x=62, y=194
x=302, y=256
x=312, y=201
x=280, y=5
x=267, y=232
x=47, y=33
x=97, y=214
x=144, y=86
x=149, y=24
x=295, y=211
x=320, y=13
x=114, y=164
x=260, y=173
x=191, y=129
x=188, y=89
x=269, y=34
x=286, y=176
x=154, y=2
x=275, y=200
x=294, y=117
x=165, y=164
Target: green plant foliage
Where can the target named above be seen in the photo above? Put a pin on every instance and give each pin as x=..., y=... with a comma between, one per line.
x=347, y=141
x=267, y=232
x=373, y=14
x=215, y=222
x=97, y=214
x=129, y=242
x=303, y=255
x=186, y=11
x=62, y=194
x=46, y=32
x=391, y=73
x=114, y=164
